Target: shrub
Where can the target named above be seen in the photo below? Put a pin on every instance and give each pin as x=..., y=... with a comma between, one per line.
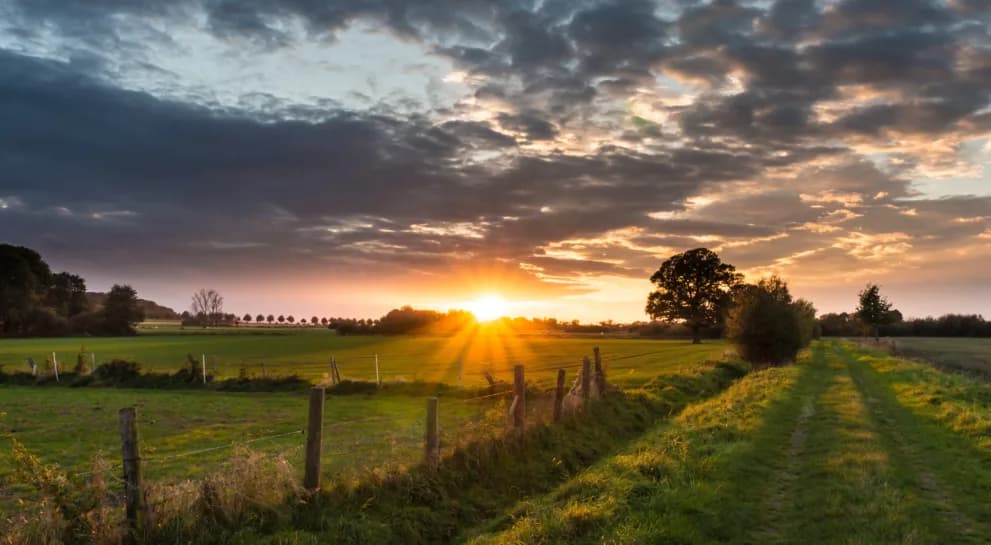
x=118, y=372
x=766, y=326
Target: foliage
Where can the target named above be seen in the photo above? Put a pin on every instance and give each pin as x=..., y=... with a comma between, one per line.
x=36, y=303
x=766, y=326
x=121, y=311
x=693, y=288
x=874, y=310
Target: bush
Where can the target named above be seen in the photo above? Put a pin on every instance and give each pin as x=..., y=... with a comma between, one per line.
x=117, y=372
x=766, y=326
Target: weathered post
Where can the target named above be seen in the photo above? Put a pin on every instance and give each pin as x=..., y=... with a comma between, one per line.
x=559, y=395
x=519, y=391
x=586, y=379
x=432, y=441
x=600, y=372
x=314, y=440
x=131, y=455
x=378, y=377
x=55, y=365
x=203, y=367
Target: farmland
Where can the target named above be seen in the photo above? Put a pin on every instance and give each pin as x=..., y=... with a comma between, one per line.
x=70, y=426
x=847, y=445
x=960, y=354
x=307, y=353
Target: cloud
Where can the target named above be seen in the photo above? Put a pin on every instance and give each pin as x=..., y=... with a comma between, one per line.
x=585, y=138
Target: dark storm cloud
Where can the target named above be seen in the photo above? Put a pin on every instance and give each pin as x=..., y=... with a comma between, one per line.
x=351, y=184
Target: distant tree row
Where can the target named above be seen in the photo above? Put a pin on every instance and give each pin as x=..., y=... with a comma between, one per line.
x=35, y=302
x=845, y=324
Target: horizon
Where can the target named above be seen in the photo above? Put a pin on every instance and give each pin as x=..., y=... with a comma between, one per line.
x=348, y=159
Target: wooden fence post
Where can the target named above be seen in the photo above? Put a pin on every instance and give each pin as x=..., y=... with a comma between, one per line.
x=519, y=391
x=559, y=395
x=586, y=379
x=600, y=373
x=432, y=442
x=378, y=377
x=203, y=367
x=55, y=365
x=314, y=440
x=131, y=455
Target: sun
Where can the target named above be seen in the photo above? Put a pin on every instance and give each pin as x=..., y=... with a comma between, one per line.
x=488, y=308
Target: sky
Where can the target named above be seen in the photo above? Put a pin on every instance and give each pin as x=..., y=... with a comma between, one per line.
x=342, y=158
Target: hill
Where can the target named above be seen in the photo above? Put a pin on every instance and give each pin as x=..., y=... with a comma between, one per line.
x=153, y=311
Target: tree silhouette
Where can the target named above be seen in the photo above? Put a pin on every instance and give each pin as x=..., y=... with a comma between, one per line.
x=282, y=319
x=874, y=310
x=693, y=287
x=247, y=318
x=121, y=310
x=270, y=318
x=314, y=320
x=209, y=304
x=290, y=319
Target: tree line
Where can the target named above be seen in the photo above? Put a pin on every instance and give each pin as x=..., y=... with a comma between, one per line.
x=36, y=302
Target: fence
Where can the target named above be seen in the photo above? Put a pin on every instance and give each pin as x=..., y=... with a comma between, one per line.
x=589, y=384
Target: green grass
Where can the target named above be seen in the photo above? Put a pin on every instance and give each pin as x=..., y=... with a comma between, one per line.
x=307, y=352
x=848, y=446
x=842, y=448
x=70, y=427
x=959, y=354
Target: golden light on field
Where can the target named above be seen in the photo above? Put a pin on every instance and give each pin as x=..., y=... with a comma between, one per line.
x=488, y=308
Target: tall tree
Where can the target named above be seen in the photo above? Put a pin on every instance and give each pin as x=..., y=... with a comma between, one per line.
x=121, y=311
x=874, y=310
x=693, y=287
x=210, y=304
x=247, y=318
x=24, y=279
x=67, y=294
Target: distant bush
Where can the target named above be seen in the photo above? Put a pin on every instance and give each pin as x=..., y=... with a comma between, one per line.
x=766, y=326
x=117, y=372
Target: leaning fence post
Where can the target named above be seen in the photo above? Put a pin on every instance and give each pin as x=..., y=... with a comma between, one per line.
x=586, y=379
x=131, y=454
x=519, y=404
x=559, y=395
x=314, y=440
x=378, y=377
x=55, y=365
x=432, y=441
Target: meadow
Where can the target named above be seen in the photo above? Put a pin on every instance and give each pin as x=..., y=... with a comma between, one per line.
x=972, y=355
x=187, y=433
x=848, y=445
x=307, y=352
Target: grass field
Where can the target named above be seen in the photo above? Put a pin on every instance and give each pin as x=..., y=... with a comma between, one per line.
x=849, y=445
x=69, y=426
x=963, y=354
x=307, y=352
